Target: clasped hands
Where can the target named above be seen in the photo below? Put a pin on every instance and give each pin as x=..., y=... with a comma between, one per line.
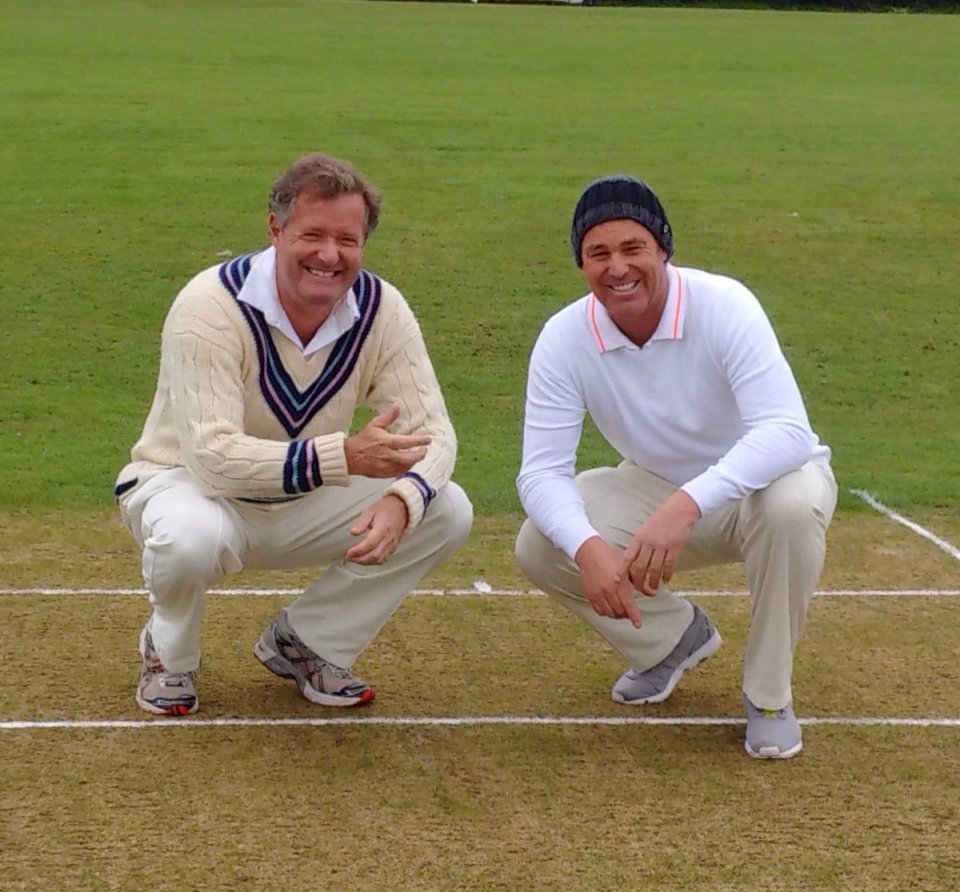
x=375, y=452
x=610, y=576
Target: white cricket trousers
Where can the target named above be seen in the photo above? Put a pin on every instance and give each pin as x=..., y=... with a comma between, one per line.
x=778, y=533
x=190, y=541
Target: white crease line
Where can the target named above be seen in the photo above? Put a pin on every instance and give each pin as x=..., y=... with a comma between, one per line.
x=942, y=544
x=460, y=721
x=505, y=592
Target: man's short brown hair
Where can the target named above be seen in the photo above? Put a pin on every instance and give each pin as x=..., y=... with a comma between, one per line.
x=323, y=176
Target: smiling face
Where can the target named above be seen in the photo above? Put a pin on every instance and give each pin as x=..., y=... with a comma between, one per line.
x=627, y=272
x=319, y=255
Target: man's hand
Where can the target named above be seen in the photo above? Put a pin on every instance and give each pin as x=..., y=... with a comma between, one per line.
x=375, y=452
x=608, y=590
x=384, y=522
x=652, y=554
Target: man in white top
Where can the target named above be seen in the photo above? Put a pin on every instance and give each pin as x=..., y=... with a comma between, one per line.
x=681, y=372
x=247, y=457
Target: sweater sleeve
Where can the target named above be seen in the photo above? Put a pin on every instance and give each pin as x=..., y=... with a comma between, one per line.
x=552, y=427
x=777, y=435
x=201, y=358
x=405, y=375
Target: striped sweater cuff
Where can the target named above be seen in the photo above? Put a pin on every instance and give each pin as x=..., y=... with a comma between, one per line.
x=318, y=461
x=301, y=469
x=426, y=490
x=416, y=493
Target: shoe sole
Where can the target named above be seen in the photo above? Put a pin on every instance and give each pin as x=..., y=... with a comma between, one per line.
x=279, y=666
x=176, y=709
x=770, y=752
x=706, y=650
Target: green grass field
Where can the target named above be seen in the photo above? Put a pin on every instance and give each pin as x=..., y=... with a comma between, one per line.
x=812, y=155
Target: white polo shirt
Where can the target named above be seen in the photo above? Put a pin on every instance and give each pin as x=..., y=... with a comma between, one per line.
x=708, y=403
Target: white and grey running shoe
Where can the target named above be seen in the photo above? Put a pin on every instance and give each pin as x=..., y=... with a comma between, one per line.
x=160, y=691
x=772, y=733
x=699, y=641
x=320, y=681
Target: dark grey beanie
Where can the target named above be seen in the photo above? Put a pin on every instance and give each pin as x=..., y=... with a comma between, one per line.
x=619, y=198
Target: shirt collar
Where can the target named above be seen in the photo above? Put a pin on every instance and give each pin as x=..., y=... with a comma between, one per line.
x=608, y=337
x=259, y=290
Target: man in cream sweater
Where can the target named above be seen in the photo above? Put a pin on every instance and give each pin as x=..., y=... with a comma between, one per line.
x=682, y=374
x=246, y=458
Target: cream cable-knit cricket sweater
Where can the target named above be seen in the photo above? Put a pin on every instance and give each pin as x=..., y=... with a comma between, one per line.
x=240, y=407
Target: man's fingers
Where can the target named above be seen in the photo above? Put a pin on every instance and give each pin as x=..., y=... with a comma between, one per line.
x=404, y=459
x=387, y=417
x=668, y=567
x=363, y=523
x=630, y=608
x=368, y=550
x=637, y=571
x=403, y=442
x=629, y=556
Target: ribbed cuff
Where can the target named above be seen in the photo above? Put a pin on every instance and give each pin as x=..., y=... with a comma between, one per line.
x=412, y=497
x=332, y=459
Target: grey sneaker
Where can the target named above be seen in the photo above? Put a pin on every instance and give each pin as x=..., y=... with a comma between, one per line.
x=700, y=641
x=772, y=733
x=160, y=691
x=284, y=654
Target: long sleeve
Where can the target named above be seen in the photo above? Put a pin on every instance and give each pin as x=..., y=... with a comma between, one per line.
x=405, y=375
x=553, y=424
x=776, y=436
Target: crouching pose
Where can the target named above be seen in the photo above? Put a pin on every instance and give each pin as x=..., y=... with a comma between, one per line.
x=681, y=372
x=246, y=458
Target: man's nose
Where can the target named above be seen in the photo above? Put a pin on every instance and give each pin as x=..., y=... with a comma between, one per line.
x=617, y=266
x=327, y=251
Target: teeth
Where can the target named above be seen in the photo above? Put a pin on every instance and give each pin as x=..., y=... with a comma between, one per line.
x=626, y=286
x=321, y=273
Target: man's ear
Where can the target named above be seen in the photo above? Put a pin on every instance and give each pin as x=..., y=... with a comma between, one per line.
x=274, y=227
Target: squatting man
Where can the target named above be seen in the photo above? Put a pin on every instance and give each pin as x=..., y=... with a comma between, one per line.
x=681, y=372
x=245, y=459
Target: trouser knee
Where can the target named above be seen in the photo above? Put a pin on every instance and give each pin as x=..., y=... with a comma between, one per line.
x=452, y=512
x=179, y=555
x=535, y=555
x=788, y=510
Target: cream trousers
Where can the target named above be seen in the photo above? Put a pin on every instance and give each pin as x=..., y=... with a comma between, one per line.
x=190, y=541
x=778, y=533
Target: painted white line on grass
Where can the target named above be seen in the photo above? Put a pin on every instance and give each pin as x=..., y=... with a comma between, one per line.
x=461, y=721
x=505, y=592
x=874, y=503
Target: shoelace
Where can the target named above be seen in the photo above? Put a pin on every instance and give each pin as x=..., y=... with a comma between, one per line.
x=316, y=665
x=313, y=664
x=174, y=679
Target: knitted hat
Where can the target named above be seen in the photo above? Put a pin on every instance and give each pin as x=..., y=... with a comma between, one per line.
x=619, y=198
